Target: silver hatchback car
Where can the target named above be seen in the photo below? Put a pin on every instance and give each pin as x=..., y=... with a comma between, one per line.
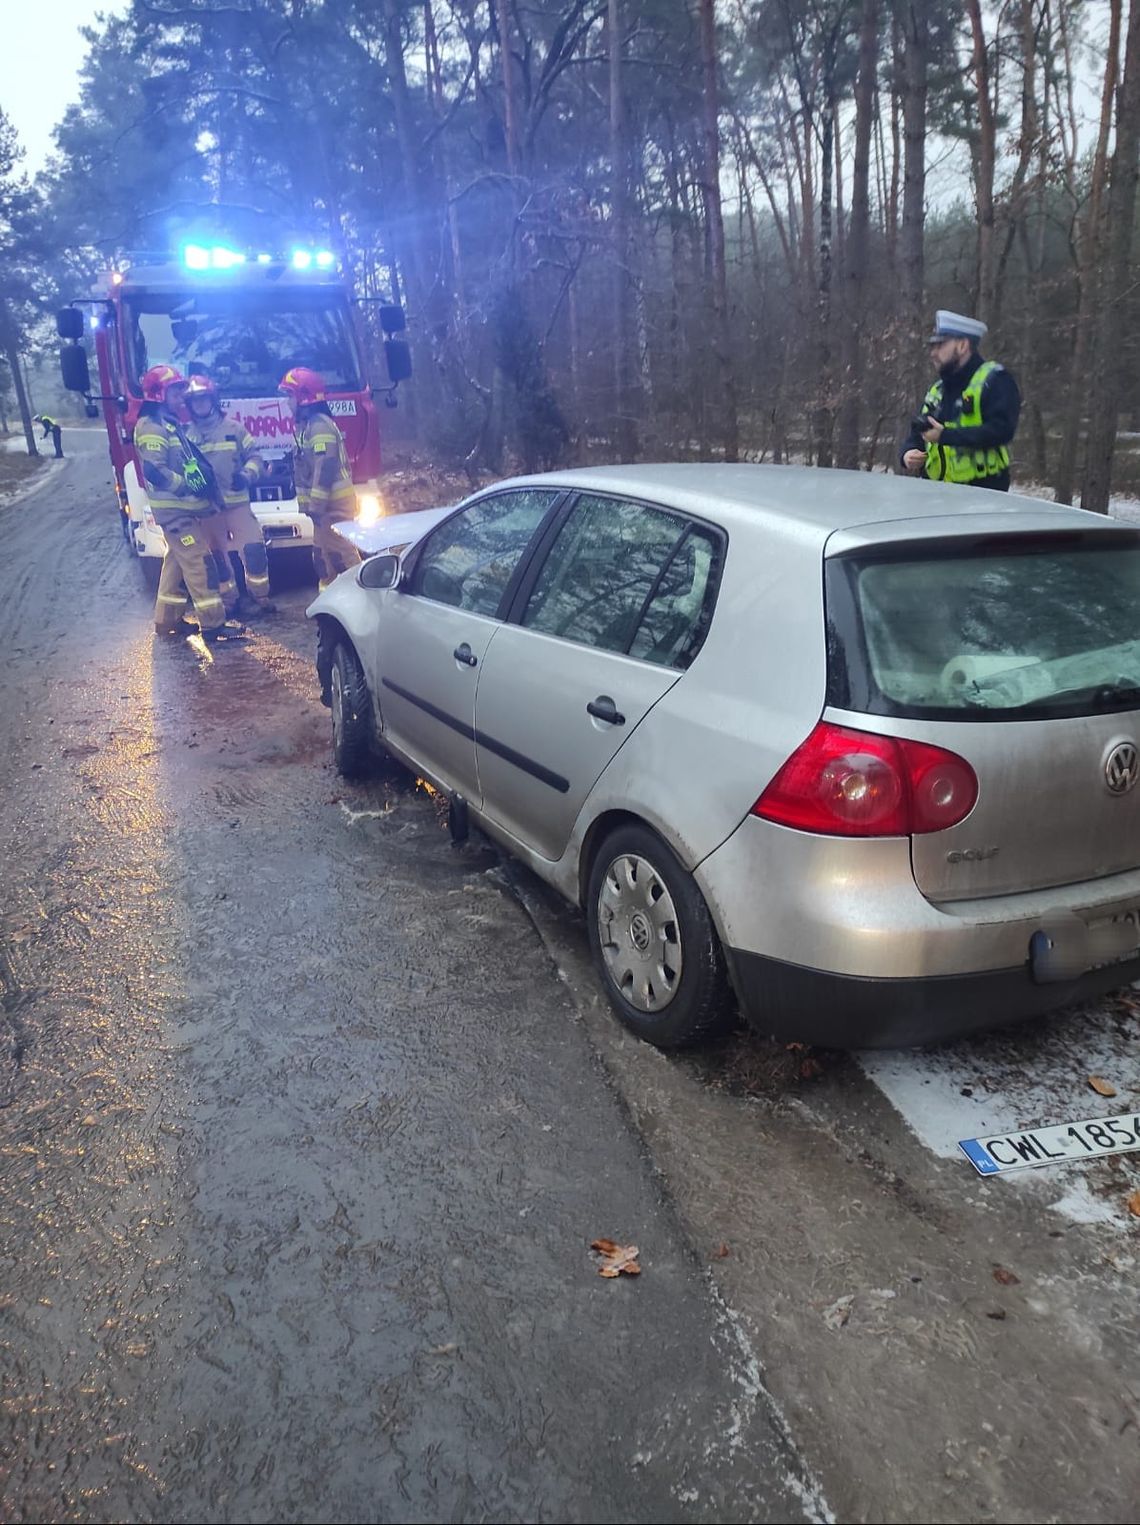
x=860, y=750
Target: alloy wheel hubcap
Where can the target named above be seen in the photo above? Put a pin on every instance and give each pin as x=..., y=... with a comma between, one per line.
x=639, y=934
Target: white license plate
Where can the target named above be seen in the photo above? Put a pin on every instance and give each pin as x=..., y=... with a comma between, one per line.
x=1085, y=1140
x=342, y=407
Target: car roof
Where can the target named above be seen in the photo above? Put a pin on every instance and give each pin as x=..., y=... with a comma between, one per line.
x=816, y=503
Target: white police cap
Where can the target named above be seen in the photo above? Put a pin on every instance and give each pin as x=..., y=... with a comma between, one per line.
x=952, y=325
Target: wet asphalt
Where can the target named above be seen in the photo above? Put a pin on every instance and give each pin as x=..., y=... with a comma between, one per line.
x=302, y=1141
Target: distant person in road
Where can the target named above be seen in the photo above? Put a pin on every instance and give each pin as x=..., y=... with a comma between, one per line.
x=179, y=493
x=969, y=415
x=51, y=429
x=231, y=451
x=322, y=471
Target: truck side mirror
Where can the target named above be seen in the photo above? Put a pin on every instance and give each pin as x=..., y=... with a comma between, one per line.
x=398, y=359
x=91, y=409
x=392, y=319
x=73, y=364
x=69, y=323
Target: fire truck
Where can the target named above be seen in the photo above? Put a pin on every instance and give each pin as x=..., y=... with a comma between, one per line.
x=243, y=317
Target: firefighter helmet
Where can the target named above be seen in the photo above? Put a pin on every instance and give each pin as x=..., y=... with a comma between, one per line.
x=203, y=386
x=303, y=386
x=158, y=380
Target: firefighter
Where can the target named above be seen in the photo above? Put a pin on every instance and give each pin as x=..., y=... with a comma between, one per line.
x=322, y=471
x=969, y=415
x=51, y=430
x=179, y=492
x=231, y=451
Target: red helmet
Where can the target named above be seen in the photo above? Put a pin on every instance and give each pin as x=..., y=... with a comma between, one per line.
x=303, y=386
x=203, y=386
x=158, y=380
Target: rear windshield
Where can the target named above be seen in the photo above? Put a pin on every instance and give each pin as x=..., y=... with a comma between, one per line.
x=1025, y=628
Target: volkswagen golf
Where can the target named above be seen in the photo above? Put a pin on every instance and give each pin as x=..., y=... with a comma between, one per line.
x=857, y=751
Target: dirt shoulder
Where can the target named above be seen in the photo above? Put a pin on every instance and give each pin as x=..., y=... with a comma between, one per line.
x=944, y=1348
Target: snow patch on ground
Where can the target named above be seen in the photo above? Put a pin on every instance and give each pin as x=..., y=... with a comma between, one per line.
x=1080, y=1204
x=1024, y=1077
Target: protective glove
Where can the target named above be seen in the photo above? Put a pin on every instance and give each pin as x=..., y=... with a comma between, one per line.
x=195, y=477
x=240, y=482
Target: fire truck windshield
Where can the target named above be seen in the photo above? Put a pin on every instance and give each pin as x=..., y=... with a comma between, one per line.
x=246, y=341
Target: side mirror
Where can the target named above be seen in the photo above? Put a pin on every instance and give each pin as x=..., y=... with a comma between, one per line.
x=380, y=572
x=392, y=319
x=69, y=323
x=73, y=365
x=398, y=359
x=91, y=409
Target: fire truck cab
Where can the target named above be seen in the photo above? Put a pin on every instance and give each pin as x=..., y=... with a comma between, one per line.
x=243, y=318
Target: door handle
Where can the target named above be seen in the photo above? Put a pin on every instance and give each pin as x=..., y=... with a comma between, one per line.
x=604, y=708
x=465, y=654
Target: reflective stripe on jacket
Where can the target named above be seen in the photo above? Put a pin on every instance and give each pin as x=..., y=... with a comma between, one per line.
x=164, y=461
x=944, y=462
x=231, y=451
x=321, y=467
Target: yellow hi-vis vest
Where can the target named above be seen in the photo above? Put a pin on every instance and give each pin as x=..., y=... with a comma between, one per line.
x=946, y=462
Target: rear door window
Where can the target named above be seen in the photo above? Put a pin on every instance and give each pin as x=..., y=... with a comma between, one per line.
x=626, y=577
x=1012, y=627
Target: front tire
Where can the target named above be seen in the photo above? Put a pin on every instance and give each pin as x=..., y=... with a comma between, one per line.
x=351, y=707
x=655, y=948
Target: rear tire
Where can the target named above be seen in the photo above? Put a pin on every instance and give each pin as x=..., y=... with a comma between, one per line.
x=655, y=948
x=152, y=571
x=352, y=729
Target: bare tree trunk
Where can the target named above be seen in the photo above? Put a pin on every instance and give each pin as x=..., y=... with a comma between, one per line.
x=710, y=177
x=825, y=404
x=987, y=153
x=855, y=273
x=916, y=43
x=624, y=409
x=425, y=403
x=10, y=344
x=1090, y=248
x=510, y=102
x=1109, y=377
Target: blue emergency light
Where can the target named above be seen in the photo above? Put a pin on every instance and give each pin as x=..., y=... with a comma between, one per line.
x=222, y=257
x=216, y=257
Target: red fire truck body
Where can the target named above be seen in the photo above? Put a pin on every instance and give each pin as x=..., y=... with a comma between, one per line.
x=244, y=324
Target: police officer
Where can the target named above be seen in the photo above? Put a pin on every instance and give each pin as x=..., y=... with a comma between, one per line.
x=230, y=450
x=969, y=415
x=179, y=493
x=322, y=471
x=51, y=428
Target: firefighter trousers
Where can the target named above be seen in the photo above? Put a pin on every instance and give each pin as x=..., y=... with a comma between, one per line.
x=190, y=560
x=243, y=538
x=215, y=528
x=332, y=554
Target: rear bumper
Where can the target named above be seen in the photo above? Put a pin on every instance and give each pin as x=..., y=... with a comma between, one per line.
x=852, y=1011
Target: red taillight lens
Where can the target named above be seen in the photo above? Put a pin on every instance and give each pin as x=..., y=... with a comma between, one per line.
x=856, y=784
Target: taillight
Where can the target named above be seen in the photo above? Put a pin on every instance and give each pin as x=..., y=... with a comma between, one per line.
x=856, y=784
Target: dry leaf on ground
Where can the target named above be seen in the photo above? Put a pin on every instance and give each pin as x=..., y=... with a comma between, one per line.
x=1134, y=1204
x=616, y=1258
x=1006, y=1278
x=1102, y=1087
x=722, y=1252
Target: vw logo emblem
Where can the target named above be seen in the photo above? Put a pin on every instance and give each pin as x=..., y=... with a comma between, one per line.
x=1122, y=767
